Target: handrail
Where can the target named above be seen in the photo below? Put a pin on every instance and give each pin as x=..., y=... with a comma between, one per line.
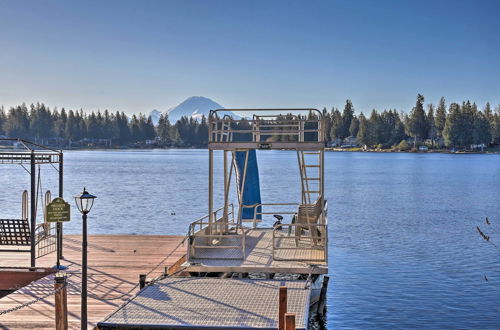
x=284, y=123
x=257, y=205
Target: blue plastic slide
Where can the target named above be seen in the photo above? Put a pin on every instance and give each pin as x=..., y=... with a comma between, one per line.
x=251, y=189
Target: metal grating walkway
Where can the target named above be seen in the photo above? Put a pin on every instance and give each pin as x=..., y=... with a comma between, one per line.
x=210, y=303
x=259, y=251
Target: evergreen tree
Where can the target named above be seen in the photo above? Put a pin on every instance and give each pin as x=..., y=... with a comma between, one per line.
x=93, y=129
x=328, y=124
x=163, y=129
x=417, y=125
x=481, y=133
x=432, y=124
x=353, y=129
x=451, y=131
x=363, y=131
x=440, y=118
x=60, y=121
x=135, y=129
x=347, y=116
x=495, y=131
x=336, y=124
x=17, y=124
x=148, y=129
x=375, y=129
x=3, y=120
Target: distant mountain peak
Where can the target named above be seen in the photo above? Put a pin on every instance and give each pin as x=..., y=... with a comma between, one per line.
x=193, y=106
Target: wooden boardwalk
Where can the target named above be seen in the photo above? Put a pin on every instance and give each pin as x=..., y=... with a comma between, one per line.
x=115, y=262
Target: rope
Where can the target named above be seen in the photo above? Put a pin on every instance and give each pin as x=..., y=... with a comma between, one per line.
x=13, y=309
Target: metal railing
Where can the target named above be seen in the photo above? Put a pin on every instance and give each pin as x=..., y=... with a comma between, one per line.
x=302, y=241
x=219, y=234
x=262, y=127
x=267, y=211
x=45, y=238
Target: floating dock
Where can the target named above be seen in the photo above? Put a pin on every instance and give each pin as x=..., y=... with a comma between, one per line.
x=115, y=263
x=192, y=303
x=242, y=267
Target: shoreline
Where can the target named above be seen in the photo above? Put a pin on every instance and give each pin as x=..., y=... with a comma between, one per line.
x=436, y=151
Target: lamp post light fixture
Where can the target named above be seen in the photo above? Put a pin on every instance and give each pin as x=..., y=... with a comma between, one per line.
x=84, y=203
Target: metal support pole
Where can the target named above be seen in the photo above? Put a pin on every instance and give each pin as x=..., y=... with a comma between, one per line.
x=59, y=224
x=61, y=302
x=226, y=182
x=210, y=188
x=83, y=316
x=33, y=209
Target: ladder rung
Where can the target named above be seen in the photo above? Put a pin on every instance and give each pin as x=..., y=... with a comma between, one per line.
x=312, y=191
x=316, y=179
x=311, y=165
x=312, y=153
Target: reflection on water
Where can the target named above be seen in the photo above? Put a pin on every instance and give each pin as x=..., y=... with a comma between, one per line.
x=403, y=248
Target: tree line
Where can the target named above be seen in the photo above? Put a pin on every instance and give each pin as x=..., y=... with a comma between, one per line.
x=453, y=126
x=60, y=127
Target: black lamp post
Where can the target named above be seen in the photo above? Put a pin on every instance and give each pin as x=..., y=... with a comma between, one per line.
x=84, y=202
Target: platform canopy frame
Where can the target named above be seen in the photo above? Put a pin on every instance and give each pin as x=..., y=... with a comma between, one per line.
x=17, y=151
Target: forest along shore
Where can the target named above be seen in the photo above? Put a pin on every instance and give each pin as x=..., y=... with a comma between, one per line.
x=457, y=127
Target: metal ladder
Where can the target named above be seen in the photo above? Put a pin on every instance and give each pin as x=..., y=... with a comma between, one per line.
x=226, y=130
x=311, y=185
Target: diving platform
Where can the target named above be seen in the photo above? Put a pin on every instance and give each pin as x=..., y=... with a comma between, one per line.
x=240, y=254
x=211, y=303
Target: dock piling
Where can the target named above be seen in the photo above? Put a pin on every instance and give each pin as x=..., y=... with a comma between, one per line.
x=282, y=307
x=290, y=321
x=322, y=296
x=142, y=281
x=61, y=302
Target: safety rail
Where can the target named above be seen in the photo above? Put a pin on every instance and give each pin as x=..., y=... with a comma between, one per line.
x=267, y=131
x=256, y=214
x=25, y=157
x=45, y=238
x=300, y=242
x=306, y=241
x=218, y=234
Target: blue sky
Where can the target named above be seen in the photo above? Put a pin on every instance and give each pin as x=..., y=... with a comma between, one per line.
x=139, y=55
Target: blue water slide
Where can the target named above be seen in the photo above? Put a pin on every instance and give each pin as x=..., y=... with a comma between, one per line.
x=251, y=189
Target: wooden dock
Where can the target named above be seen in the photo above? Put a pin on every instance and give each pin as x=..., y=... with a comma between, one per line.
x=115, y=263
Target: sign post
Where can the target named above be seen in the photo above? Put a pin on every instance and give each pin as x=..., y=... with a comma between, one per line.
x=58, y=211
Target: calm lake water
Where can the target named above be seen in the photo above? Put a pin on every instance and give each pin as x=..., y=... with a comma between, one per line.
x=404, y=252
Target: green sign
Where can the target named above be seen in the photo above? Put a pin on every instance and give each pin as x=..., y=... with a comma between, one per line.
x=57, y=211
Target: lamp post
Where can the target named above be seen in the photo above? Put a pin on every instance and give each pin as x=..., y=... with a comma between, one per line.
x=84, y=202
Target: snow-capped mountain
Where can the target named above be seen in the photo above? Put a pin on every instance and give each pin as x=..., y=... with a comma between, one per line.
x=194, y=106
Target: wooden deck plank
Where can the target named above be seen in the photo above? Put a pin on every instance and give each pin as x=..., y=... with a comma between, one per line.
x=115, y=262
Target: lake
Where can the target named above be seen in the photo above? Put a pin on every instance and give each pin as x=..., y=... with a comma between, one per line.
x=404, y=251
